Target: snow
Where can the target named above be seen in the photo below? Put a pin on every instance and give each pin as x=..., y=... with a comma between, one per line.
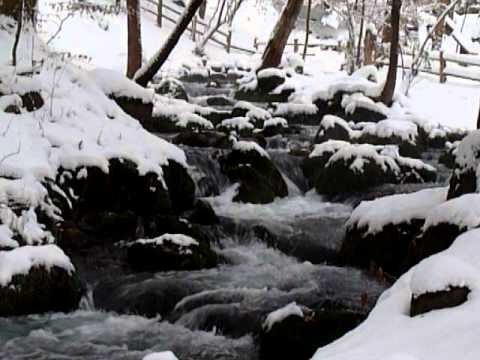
x=281, y=314
x=21, y=260
x=275, y=122
x=177, y=239
x=330, y=146
x=439, y=273
x=6, y=236
x=405, y=130
x=188, y=119
x=351, y=102
x=285, y=109
x=164, y=355
x=463, y=211
x=114, y=83
x=374, y=215
x=390, y=333
x=237, y=123
x=245, y=146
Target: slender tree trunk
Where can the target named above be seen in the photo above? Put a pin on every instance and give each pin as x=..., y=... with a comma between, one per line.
x=369, y=48
x=478, y=119
x=146, y=73
x=388, y=91
x=360, y=36
x=134, y=38
x=307, y=29
x=272, y=55
x=203, y=10
x=18, y=33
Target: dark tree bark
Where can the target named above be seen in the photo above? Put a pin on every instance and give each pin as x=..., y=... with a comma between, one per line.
x=18, y=32
x=389, y=89
x=369, y=48
x=478, y=119
x=146, y=74
x=360, y=36
x=272, y=55
x=134, y=61
x=10, y=8
x=307, y=29
x=203, y=9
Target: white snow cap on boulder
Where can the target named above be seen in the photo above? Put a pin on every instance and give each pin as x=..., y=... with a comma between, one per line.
x=281, y=314
x=245, y=146
x=164, y=355
x=21, y=260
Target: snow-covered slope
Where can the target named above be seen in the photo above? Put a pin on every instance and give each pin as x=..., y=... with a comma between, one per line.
x=390, y=333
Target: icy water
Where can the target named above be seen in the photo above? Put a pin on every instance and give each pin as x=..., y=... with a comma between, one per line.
x=222, y=307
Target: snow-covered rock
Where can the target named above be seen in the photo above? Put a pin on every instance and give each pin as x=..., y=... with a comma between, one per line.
x=383, y=231
x=390, y=330
x=356, y=167
x=259, y=180
x=170, y=252
x=164, y=355
x=37, y=279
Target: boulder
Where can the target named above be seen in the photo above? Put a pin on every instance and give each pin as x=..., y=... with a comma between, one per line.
x=269, y=79
x=336, y=167
x=332, y=128
x=202, y=213
x=259, y=180
x=141, y=294
x=202, y=139
x=171, y=87
x=298, y=114
x=41, y=280
x=454, y=296
x=274, y=126
x=467, y=159
x=296, y=332
x=170, y=252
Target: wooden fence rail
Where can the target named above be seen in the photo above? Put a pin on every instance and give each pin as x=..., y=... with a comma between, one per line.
x=197, y=27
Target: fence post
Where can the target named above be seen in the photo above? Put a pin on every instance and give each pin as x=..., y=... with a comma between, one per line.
x=159, y=12
x=255, y=43
x=194, y=28
x=443, y=64
x=229, y=40
x=295, y=45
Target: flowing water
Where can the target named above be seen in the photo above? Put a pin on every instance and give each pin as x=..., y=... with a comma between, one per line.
x=271, y=255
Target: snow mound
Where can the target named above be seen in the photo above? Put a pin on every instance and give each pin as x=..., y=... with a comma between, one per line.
x=237, y=123
x=164, y=355
x=193, y=120
x=374, y=215
x=177, y=239
x=439, y=273
x=389, y=330
x=245, y=146
x=463, y=211
x=275, y=122
x=21, y=260
x=281, y=314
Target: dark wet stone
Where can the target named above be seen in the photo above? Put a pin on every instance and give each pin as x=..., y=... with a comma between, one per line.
x=454, y=296
x=41, y=290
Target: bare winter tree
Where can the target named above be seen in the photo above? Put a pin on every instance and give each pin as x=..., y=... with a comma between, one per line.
x=224, y=13
x=148, y=71
x=389, y=89
x=10, y=8
x=134, y=38
x=19, y=17
x=272, y=56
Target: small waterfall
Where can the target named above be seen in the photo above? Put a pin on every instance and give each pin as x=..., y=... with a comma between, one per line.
x=291, y=167
x=205, y=170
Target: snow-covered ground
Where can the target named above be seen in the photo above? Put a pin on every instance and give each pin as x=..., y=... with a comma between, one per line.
x=390, y=333
x=453, y=104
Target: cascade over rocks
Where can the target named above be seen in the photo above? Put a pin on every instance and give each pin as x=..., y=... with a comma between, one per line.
x=259, y=180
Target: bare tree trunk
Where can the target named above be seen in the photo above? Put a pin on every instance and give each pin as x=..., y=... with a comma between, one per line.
x=360, y=36
x=203, y=9
x=478, y=119
x=146, y=73
x=134, y=61
x=369, y=48
x=10, y=8
x=307, y=29
x=388, y=91
x=18, y=33
x=272, y=55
